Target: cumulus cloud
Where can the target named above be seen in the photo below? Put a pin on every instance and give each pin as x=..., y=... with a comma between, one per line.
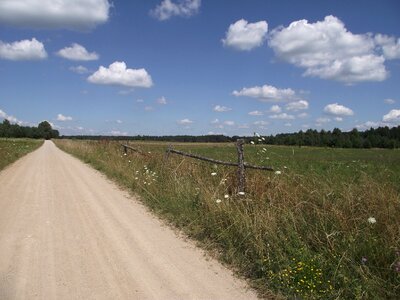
x=302, y=115
x=61, y=117
x=23, y=50
x=266, y=93
x=390, y=47
x=219, y=108
x=50, y=14
x=185, y=122
x=261, y=124
x=162, y=101
x=118, y=74
x=10, y=118
x=276, y=109
x=77, y=52
x=326, y=49
x=168, y=8
x=282, y=116
x=389, y=101
x=256, y=113
x=392, y=116
x=322, y=120
x=243, y=35
x=338, y=110
x=368, y=125
x=297, y=105
x=79, y=69
x=229, y=123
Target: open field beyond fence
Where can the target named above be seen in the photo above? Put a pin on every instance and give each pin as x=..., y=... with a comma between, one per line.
x=325, y=224
x=12, y=149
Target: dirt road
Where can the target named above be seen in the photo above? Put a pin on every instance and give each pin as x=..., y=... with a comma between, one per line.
x=66, y=232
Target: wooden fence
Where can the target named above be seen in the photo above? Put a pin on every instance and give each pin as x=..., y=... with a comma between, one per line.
x=241, y=164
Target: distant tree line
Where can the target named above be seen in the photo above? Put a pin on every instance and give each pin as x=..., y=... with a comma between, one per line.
x=42, y=131
x=382, y=137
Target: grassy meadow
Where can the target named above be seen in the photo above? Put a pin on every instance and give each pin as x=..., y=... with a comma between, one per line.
x=12, y=149
x=326, y=226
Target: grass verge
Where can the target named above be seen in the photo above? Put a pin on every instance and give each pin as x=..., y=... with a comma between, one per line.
x=13, y=149
x=326, y=227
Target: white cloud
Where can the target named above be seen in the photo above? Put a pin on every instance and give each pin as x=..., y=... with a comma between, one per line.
x=167, y=9
x=79, y=69
x=297, y=105
x=390, y=47
x=243, y=126
x=302, y=115
x=256, y=113
x=288, y=124
x=266, y=93
x=10, y=118
x=389, y=101
x=338, y=119
x=118, y=74
x=23, y=50
x=185, y=122
x=119, y=121
x=229, y=123
x=322, y=120
x=219, y=108
x=242, y=35
x=326, y=49
x=215, y=121
x=118, y=133
x=282, y=116
x=338, y=110
x=77, y=52
x=276, y=109
x=392, y=116
x=368, y=125
x=50, y=14
x=61, y=117
x=162, y=101
x=261, y=124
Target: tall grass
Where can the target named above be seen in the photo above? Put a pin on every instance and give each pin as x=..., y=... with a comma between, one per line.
x=308, y=232
x=12, y=149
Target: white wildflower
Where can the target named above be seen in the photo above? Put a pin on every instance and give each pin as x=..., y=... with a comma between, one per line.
x=218, y=200
x=278, y=172
x=371, y=220
x=241, y=193
x=213, y=174
x=226, y=196
x=251, y=142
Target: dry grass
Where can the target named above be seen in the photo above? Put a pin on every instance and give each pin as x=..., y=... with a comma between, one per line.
x=12, y=149
x=304, y=233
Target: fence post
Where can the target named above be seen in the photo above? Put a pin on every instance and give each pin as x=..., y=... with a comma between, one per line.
x=241, y=169
x=125, y=150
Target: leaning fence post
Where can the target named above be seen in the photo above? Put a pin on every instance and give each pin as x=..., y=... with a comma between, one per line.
x=241, y=169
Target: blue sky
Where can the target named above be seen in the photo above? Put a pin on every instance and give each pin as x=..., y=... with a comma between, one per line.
x=196, y=67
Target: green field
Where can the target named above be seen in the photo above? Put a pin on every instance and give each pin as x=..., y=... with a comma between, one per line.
x=12, y=149
x=326, y=227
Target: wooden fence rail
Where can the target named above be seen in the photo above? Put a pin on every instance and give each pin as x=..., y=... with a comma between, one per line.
x=241, y=164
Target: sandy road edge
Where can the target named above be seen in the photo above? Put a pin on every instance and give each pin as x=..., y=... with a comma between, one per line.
x=210, y=254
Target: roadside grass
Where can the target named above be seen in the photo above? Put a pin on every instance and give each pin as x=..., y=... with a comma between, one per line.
x=12, y=149
x=327, y=227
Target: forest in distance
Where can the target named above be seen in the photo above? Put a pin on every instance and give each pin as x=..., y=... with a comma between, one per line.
x=381, y=137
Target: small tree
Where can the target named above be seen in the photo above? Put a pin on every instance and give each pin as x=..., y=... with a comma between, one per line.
x=45, y=130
